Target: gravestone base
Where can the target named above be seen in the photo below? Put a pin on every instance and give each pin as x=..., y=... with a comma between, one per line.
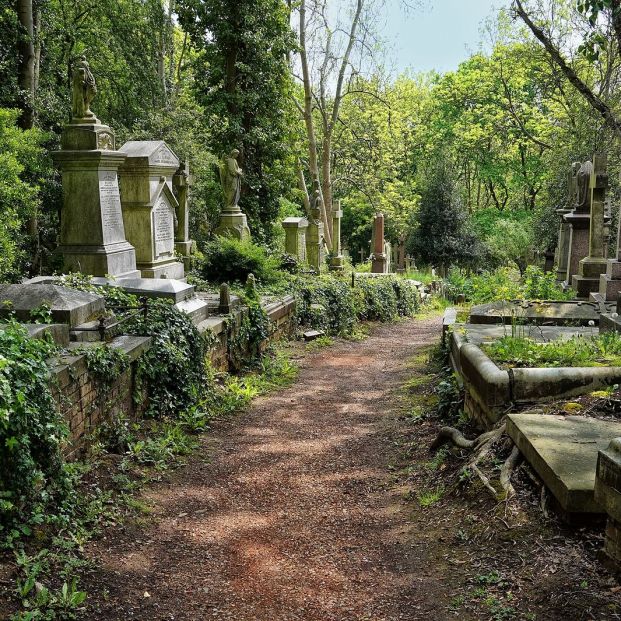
x=169, y=269
x=588, y=279
x=118, y=260
x=610, y=282
x=379, y=264
x=578, y=243
x=337, y=264
x=233, y=225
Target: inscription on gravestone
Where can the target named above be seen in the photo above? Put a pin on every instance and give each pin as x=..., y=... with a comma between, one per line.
x=164, y=156
x=163, y=228
x=110, y=201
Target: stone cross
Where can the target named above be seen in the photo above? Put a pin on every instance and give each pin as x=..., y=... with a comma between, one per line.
x=336, y=261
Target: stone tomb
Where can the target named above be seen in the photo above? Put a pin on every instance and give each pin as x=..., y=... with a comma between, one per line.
x=563, y=450
x=150, y=207
x=295, y=237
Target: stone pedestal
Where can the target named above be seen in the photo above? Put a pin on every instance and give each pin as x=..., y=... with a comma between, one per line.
x=295, y=237
x=233, y=224
x=562, y=249
x=150, y=207
x=184, y=246
x=92, y=234
x=337, y=261
x=379, y=260
x=594, y=265
x=608, y=496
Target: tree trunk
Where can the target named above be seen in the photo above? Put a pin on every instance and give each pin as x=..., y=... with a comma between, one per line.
x=26, y=63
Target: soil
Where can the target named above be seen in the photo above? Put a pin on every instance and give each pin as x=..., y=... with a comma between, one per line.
x=322, y=502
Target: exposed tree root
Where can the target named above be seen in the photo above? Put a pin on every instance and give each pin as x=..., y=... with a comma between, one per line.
x=507, y=470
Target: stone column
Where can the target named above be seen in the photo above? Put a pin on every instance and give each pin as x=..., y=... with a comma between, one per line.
x=610, y=282
x=295, y=237
x=181, y=186
x=92, y=232
x=315, y=254
x=337, y=259
x=590, y=268
x=378, y=260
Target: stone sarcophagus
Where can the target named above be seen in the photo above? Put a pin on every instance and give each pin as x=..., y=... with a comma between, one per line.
x=150, y=207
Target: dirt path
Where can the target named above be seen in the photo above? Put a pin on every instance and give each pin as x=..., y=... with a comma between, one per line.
x=288, y=513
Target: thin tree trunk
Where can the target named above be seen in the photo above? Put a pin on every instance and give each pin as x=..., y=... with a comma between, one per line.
x=26, y=63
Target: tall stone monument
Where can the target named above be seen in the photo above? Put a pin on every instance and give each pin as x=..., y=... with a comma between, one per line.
x=92, y=232
x=379, y=263
x=610, y=282
x=150, y=207
x=564, y=233
x=579, y=220
x=594, y=265
x=337, y=260
x=233, y=222
x=295, y=237
x=315, y=244
x=181, y=181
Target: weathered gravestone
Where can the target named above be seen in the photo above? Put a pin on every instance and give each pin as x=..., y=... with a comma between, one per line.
x=233, y=222
x=92, y=232
x=592, y=266
x=379, y=260
x=336, y=260
x=295, y=237
x=150, y=207
x=564, y=233
x=610, y=282
x=184, y=246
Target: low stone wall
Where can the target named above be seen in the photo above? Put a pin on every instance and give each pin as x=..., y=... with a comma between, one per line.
x=85, y=406
x=82, y=401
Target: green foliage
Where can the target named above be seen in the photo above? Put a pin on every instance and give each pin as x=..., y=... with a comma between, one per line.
x=230, y=260
x=504, y=284
x=579, y=351
x=32, y=475
x=246, y=85
x=106, y=364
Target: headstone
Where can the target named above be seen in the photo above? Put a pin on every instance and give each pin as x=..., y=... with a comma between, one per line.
x=592, y=266
x=92, y=232
x=315, y=248
x=388, y=253
x=378, y=259
x=610, y=282
x=251, y=285
x=337, y=261
x=150, y=206
x=225, y=299
x=233, y=222
x=549, y=262
x=295, y=237
x=564, y=233
x=401, y=255
x=182, y=181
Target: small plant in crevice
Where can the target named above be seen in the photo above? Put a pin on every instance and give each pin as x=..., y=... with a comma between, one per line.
x=450, y=398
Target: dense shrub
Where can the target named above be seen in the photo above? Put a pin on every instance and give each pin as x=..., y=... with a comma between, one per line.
x=31, y=430
x=230, y=260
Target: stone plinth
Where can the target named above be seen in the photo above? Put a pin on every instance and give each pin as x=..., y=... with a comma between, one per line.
x=295, y=237
x=337, y=261
x=150, y=207
x=578, y=243
x=315, y=253
x=233, y=224
x=92, y=232
x=184, y=246
x=608, y=495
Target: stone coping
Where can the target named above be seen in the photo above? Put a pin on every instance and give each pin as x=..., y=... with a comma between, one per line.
x=496, y=390
x=58, y=331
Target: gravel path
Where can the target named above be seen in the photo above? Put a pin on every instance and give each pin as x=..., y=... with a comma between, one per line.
x=288, y=511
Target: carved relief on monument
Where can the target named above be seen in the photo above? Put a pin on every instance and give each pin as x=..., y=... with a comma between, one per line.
x=105, y=141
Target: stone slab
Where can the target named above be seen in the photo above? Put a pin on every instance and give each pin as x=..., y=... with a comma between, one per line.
x=480, y=333
x=578, y=312
x=311, y=335
x=67, y=305
x=58, y=331
x=171, y=289
x=563, y=451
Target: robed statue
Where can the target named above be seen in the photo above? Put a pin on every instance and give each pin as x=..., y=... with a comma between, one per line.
x=230, y=177
x=583, y=180
x=83, y=90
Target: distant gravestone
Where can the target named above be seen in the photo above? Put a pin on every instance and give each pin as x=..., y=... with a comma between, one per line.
x=315, y=249
x=233, y=222
x=295, y=237
x=379, y=261
x=337, y=259
x=564, y=234
x=92, y=232
x=181, y=180
x=150, y=206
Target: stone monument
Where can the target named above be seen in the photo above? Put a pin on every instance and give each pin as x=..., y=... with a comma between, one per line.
x=233, y=222
x=610, y=282
x=564, y=233
x=315, y=244
x=295, y=237
x=92, y=233
x=184, y=246
x=150, y=207
x=337, y=260
x=592, y=266
x=379, y=262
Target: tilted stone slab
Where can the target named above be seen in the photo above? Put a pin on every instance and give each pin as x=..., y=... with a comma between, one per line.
x=68, y=306
x=563, y=451
x=169, y=288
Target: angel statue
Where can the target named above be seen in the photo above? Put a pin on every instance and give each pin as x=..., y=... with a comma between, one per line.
x=83, y=89
x=230, y=177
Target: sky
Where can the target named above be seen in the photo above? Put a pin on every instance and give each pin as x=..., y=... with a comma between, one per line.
x=439, y=35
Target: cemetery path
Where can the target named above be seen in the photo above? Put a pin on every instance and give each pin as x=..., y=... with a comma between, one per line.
x=289, y=511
